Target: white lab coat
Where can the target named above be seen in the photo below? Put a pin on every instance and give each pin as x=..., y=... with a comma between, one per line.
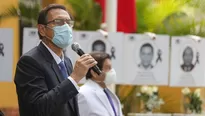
x=92, y=101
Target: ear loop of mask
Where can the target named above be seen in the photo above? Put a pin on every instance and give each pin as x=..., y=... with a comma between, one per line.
x=46, y=36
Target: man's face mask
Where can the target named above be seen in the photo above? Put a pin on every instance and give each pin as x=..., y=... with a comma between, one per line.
x=110, y=77
x=62, y=36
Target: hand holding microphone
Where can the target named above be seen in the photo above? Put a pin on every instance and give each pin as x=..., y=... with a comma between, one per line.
x=83, y=64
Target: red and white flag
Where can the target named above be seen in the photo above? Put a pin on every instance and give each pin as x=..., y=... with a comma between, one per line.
x=126, y=15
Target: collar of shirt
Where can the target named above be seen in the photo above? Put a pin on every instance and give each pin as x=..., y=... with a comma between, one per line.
x=95, y=84
x=55, y=56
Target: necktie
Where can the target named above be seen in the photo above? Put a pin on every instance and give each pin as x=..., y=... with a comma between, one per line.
x=110, y=100
x=63, y=69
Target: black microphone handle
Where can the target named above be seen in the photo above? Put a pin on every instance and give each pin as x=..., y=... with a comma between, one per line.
x=94, y=68
x=80, y=52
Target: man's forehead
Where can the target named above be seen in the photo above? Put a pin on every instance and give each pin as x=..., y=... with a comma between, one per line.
x=188, y=50
x=146, y=48
x=58, y=13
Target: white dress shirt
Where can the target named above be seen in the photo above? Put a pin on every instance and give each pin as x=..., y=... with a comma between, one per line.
x=58, y=60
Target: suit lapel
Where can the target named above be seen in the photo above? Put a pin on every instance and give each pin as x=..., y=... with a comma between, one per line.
x=57, y=72
x=118, y=106
x=69, y=66
x=60, y=78
x=100, y=95
x=119, y=110
x=103, y=98
x=56, y=69
x=49, y=58
x=72, y=102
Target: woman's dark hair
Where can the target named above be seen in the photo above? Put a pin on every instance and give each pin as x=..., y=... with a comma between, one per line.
x=100, y=57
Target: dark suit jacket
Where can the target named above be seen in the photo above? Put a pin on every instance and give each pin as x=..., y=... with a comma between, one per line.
x=1, y=113
x=41, y=88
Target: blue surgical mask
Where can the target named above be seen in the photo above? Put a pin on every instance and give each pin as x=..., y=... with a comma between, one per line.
x=62, y=36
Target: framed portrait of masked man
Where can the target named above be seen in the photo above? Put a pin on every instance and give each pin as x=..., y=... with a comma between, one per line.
x=187, y=62
x=146, y=60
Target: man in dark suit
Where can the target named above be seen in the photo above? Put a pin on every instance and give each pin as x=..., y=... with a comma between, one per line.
x=46, y=82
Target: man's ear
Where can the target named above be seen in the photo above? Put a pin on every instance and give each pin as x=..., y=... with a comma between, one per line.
x=41, y=29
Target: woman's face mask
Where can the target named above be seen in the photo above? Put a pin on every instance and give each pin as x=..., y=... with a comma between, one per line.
x=110, y=77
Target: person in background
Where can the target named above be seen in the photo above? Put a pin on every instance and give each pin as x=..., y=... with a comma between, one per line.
x=188, y=56
x=98, y=46
x=45, y=80
x=94, y=98
x=146, y=56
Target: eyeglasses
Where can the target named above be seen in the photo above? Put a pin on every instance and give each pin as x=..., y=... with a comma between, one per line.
x=60, y=22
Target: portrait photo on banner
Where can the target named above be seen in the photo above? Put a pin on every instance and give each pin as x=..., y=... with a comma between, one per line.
x=6, y=54
x=87, y=42
x=146, y=58
x=187, y=62
x=94, y=41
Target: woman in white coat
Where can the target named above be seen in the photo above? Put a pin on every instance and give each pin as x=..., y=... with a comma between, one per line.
x=94, y=98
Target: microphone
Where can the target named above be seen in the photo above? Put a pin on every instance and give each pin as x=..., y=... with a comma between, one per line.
x=76, y=47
